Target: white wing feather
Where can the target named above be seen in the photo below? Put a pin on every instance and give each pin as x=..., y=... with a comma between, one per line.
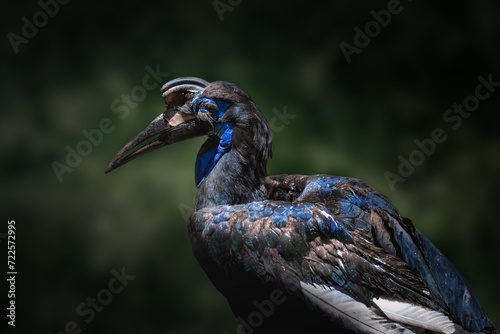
x=414, y=315
x=352, y=313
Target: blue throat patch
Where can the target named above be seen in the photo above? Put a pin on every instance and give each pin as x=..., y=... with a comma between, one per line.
x=208, y=158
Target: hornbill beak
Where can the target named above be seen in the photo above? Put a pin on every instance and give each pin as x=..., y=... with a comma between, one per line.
x=176, y=124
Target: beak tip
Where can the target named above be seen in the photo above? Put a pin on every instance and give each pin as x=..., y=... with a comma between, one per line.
x=108, y=169
x=111, y=167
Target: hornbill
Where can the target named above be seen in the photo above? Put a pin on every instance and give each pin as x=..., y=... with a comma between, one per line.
x=300, y=253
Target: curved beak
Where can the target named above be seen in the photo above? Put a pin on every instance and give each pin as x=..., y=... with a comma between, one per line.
x=176, y=124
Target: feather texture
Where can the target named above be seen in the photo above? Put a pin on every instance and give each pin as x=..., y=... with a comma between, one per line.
x=415, y=315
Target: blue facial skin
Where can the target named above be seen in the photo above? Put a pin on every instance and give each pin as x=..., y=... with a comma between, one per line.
x=206, y=160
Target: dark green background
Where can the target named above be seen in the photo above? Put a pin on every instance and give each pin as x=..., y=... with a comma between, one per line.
x=350, y=119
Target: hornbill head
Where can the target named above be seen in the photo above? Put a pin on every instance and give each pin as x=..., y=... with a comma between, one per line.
x=195, y=108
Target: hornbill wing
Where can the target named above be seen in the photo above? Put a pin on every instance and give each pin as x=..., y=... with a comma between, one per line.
x=303, y=249
x=360, y=207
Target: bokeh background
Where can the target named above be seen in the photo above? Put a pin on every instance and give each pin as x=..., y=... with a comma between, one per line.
x=351, y=119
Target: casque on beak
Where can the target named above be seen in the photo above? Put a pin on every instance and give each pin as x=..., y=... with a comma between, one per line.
x=176, y=124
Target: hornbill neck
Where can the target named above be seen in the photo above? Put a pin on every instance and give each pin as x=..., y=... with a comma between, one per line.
x=236, y=177
x=230, y=182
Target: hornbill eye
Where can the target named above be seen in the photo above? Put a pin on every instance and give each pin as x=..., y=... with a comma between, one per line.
x=206, y=105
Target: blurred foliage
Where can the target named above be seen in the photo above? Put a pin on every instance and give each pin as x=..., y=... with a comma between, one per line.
x=351, y=119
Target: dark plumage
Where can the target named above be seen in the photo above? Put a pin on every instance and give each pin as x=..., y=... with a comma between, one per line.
x=296, y=253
